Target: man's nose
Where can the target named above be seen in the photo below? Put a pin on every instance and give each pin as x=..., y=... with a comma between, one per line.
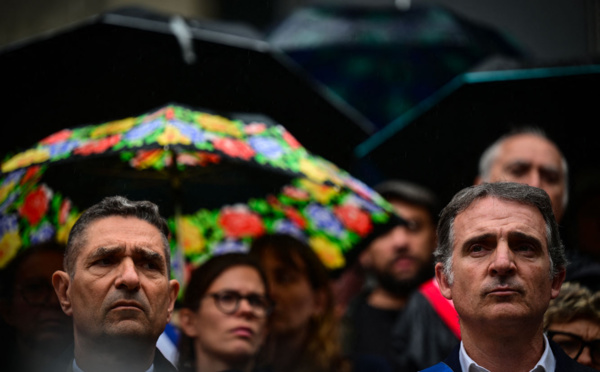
x=534, y=179
x=400, y=236
x=503, y=260
x=127, y=276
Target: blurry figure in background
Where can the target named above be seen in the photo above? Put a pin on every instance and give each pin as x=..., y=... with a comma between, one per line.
x=224, y=315
x=526, y=155
x=573, y=322
x=37, y=330
x=399, y=316
x=304, y=330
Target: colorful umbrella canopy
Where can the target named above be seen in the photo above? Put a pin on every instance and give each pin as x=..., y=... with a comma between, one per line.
x=222, y=181
x=383, y=60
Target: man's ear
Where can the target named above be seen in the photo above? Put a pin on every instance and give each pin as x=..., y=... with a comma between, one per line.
x=61, y=282
x=173, y=291
x=187, y=322
x=557, y=282
x=442, y=281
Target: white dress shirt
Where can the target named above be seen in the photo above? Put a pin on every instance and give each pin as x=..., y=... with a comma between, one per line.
x=547, y=362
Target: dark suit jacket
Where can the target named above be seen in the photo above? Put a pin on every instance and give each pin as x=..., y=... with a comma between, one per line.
x=64, y=362
x=563, y=362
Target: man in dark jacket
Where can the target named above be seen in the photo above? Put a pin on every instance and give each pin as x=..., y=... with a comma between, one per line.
x=500, y=259
x=393, y=318
x=116, y=287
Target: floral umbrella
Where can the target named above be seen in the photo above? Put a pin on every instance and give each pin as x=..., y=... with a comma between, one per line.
x=222, y=181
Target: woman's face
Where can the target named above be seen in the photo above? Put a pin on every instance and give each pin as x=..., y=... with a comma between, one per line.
x=295, y=300
x=233, y=337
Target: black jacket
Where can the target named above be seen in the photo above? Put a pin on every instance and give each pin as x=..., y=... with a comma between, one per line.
x=563, y=362
x=64, y=362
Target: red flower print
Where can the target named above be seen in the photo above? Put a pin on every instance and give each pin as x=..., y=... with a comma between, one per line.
x=295, y=193
x=234, y=148
x=354, y=219
x=56, y=137
x=255, y=128
x=169, y=113
x=35, y=205
x=240, y=222
x=295, y=217
x=30, y=174
x=287, y=136
x=63, y=212
x=99, y=146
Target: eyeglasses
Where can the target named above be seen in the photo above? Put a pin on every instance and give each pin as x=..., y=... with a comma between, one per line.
x=36, y=293
x=229, y=302
x=573, y=345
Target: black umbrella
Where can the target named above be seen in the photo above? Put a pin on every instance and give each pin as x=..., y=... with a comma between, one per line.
x=384, y=60
x=439, y=142
x=126, y=62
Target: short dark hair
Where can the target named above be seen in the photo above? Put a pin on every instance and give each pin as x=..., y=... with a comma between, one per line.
x=114, y=206
x=509, y=191
x=410, y=193
x=201, y=279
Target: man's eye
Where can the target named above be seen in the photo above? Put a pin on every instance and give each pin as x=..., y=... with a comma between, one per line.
x=525, y=248
x=477, y=248
x=104, y=262
x=517, y=171
x=149, y=265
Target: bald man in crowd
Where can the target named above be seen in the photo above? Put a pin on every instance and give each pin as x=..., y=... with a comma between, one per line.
x=527, y=156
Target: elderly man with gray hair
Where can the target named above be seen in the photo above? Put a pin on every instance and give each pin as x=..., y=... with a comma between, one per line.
x=501, y=261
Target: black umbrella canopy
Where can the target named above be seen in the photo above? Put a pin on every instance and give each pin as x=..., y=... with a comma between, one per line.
x=439, y=142
x=126, y=62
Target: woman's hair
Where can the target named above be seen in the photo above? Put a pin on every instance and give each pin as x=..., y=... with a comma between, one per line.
x=322, y=350
x=574, y=302
x=200, y=281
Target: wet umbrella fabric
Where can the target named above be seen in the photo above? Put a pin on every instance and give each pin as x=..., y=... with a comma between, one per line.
x=129, y=61
x=221, y=180
x=438, y=143
x=383, y=60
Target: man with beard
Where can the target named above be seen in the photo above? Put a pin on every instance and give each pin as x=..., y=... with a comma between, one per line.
x=116, y=287
x=399, y=267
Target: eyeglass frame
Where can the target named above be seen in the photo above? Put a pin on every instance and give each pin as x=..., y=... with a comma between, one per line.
x=584, y=343
x=216, y=296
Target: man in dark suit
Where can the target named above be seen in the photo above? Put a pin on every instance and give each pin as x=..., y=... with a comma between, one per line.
x=501, y=261
x=116, y=287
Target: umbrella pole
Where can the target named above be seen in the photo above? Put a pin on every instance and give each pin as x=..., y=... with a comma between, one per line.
x=177, y=256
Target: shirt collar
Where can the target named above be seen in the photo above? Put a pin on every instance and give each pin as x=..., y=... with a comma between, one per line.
x=547, y=362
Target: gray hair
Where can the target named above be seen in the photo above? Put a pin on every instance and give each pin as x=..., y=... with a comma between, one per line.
x=509, y=191
x=114, y=206
x=489, y=156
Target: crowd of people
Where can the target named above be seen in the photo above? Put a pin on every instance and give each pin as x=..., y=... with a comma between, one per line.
x=481, y=284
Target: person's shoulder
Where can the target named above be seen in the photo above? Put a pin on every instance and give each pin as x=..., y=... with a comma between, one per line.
x=161, y=363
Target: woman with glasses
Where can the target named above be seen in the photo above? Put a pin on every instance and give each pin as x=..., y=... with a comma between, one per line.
x=224, y=315
x=573, y=322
